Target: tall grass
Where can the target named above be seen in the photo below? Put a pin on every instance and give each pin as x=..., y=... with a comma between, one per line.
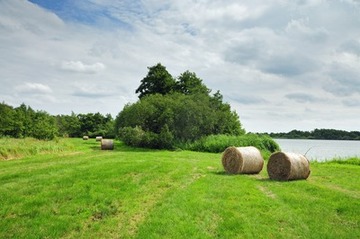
x=218, y=143
x=11, y=148
x=351, y=161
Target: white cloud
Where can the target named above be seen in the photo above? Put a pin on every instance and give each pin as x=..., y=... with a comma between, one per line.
x=93, y=90
x=78, y=66
x=33, y=88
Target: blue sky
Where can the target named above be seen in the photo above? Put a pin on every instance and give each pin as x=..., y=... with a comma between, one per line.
x=84, y=12
x=281, y=65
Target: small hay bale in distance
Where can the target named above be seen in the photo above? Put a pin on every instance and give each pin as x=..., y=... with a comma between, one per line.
x=85, y=137
x=242, y=160
x=284, y=166
x=98, y=138
x=107, y=144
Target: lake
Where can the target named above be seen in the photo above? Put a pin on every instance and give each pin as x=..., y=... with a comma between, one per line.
x=321, y=150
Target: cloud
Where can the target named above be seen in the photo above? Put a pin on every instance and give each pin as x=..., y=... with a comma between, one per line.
x=92, y=90
x=33, y=88
x=351, y=102
x=78, y=66
x=270, y=52
x=301, y=30
x=248, y=99
x=343, y=75
x=302, y=97
x=263, y=56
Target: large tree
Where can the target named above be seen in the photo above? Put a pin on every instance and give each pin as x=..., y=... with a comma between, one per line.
x=183, y=113
x=157, y=81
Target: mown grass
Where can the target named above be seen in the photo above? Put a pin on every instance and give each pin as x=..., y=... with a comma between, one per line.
x=138, y=193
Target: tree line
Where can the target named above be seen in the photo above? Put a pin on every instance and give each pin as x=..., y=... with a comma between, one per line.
x=319, y=134
x=23, y=121
x=170, y=111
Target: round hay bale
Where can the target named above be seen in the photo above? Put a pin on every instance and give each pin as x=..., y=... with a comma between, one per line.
x=98, y=138
x=85, y=137
x=107, y=144
x=288, y=166
x=244, y=160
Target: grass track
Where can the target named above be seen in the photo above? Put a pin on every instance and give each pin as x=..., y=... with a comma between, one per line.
x=84, y=192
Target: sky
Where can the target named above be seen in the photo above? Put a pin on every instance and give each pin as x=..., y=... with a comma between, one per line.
x=281, y=65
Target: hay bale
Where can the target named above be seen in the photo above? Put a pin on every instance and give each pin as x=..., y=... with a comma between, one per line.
x=85, y=137
x=288, y=166
x=107, y=144
x=244, y=160
x=98, y=138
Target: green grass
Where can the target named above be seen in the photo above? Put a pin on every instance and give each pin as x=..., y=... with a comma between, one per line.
x=136, y=193
x=11, y=148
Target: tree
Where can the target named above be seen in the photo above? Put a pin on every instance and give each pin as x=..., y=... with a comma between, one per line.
x=96, y=125
x=170, y=112
x=24, y=116
x=157, y=81
x=6, y=120
x=188, y=83
x=43, y=126
x=68, y=125
x=174, y=118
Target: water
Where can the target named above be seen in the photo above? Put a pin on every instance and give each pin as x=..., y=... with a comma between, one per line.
x=321, y=150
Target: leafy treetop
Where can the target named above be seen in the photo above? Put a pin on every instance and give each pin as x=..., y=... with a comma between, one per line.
x=158, y=80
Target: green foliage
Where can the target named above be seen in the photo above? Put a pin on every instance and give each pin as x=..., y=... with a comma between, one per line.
x=218, y=143
x=89, y=124
x=188, y=83
x=69, y=125
x=96, y=125
x=7, y=118
x=23, y=121
x=44, y=126
x=137, y=137
x=165, y=138
x=132, y=136
x=184, y=112
x=183, y=117
x=157, y=81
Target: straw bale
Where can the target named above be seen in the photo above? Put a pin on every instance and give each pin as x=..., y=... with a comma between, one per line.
x=285, y=166
x=85, y=137
x=98, y=138
x=243, y=160
x=107, y=144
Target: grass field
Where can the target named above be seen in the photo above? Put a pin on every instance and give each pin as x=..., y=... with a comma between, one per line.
x=74, y=190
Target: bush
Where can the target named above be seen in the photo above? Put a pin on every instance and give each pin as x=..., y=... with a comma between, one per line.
x=132, y=136
x=137, y=137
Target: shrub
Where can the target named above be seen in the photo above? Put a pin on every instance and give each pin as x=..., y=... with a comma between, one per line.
x=137, y=137
x=132, y=136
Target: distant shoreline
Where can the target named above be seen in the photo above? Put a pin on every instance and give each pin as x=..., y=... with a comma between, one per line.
x=324, y=134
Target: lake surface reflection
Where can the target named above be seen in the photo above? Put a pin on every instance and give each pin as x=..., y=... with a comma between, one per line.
x=321, y=150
